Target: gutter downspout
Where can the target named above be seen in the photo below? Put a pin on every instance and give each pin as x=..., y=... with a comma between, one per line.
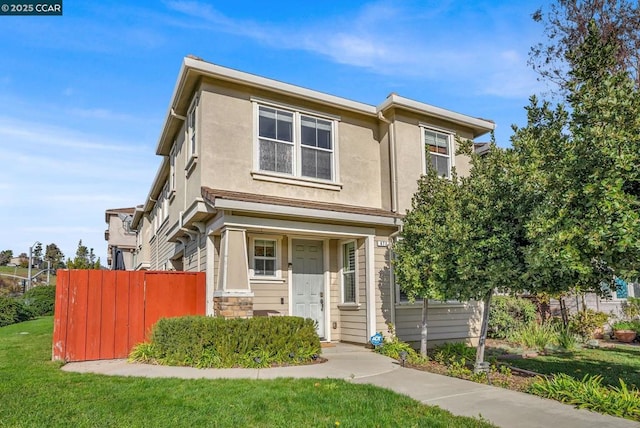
x=392, y=162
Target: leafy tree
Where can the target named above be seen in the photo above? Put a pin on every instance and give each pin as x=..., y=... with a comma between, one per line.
x=586, y=228
x=566, y=26
x=55, y=256
x=5, y=257
x=24, y=260
x=425, y=261
x=82, y=258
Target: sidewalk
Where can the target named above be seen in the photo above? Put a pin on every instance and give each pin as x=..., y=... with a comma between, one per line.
x=500, y=406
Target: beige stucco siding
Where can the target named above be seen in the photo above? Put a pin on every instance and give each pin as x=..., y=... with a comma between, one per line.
x=228, y=148
x=410, y=155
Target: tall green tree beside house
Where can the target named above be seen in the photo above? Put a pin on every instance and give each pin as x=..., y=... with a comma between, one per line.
x=425, y=257
x=586, y=230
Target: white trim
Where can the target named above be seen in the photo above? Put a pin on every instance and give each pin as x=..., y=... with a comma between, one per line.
x=275, y=177
x=481, y=125
x=294, y=107
x=192, y=130
x=290, y=272
x=292, y=226
x=296, y=143
x=230, y=204
x=210, y=281
x=327, y=290
x=370, y=285
x=278, y=258
x=341, y=245
x=450, y=143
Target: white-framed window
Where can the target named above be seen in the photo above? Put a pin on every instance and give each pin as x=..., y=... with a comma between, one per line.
x=192, y=136
x=172, y=168
x=349, y=273
x=264, y=257
x=295, y=143
x=438, y=149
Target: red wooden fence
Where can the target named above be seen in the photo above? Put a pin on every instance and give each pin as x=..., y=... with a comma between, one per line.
x=101, y=314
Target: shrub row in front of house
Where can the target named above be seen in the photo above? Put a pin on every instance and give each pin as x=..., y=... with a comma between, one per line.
x=38, y=301
x=200, y=341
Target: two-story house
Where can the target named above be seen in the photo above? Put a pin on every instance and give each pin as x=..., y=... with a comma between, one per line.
x=119, y=235
x=289, y=199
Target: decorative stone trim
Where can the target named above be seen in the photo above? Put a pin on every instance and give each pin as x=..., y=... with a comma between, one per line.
x=233, y=306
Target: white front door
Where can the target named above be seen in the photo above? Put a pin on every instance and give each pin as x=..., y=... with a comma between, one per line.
x=308, y=282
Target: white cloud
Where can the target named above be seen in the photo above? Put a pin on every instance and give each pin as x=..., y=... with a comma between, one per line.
x=388, y=39
x=49, y=135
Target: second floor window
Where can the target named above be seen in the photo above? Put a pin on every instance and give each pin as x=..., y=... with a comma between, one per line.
x=438, y=151
x=295, y=144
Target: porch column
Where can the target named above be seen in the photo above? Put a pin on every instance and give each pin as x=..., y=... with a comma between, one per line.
x=370, y=286
x=233, y=297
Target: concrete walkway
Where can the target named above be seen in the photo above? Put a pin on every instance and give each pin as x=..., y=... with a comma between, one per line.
x=500, y=406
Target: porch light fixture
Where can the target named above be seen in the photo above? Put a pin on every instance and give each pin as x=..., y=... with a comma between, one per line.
x=403, y=357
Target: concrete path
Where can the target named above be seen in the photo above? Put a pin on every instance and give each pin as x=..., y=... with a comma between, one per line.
x=500, y=406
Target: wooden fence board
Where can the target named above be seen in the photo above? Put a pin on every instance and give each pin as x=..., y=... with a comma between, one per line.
x=103, y=314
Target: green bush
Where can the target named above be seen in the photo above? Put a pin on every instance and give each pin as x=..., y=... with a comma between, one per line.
x=392, y=347
x=41, y=299
x=217, y=342
x=454, y=351
x=507, y=313
x=591, y=394
x=631, y=308
x=13, y=311
x=535, y=336
x=584, y=323
x=627, y=325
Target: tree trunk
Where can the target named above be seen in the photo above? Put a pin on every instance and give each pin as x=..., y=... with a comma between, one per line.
x=479, y=366
x=423, y=332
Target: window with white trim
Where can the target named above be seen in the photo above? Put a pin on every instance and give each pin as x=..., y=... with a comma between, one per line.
x=192, y=141
x=264, y=260
x=349, y=288
x=438, y=151
x=172, y=168
x=295, y=143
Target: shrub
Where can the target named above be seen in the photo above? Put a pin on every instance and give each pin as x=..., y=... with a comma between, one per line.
x=584, y=323
x=507, y=313
x=392, y=347
x=217, y=342
x=454, y=351
x=566, y=339
x=535, y=336
x=41, y=299
x=591, y=394
x=13, y=311
x=631, y=308
x=627, y=325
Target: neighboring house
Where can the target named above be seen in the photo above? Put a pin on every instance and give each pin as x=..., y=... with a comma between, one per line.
x=289, y=199
x=119, y=235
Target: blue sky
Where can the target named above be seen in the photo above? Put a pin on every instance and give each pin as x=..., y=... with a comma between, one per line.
x=83, y=95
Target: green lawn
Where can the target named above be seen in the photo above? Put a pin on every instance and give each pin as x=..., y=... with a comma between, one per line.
x=35, y=393
x=622, y=361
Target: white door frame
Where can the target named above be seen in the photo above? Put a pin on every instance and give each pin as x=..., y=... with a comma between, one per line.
x=326, y=278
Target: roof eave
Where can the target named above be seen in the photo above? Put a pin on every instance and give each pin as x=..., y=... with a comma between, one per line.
x=477, y=125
